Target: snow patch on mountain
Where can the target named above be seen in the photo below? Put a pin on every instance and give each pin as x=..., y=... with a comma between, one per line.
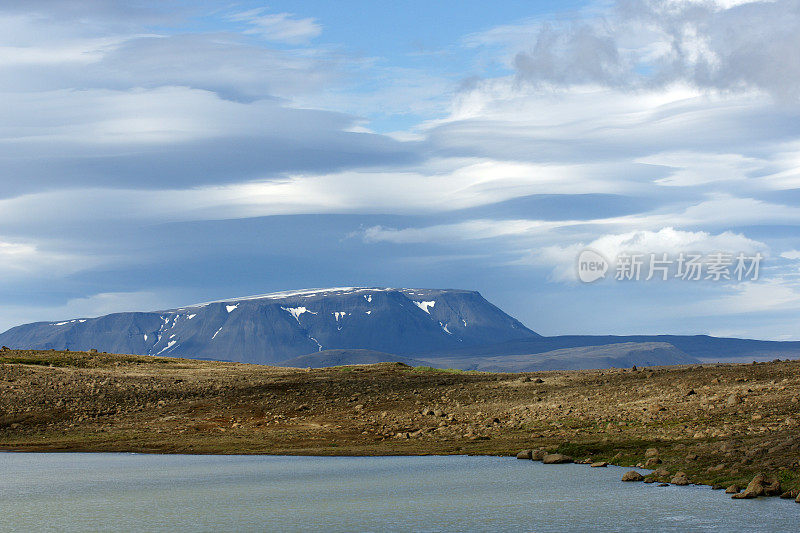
x=169, y=345
x=424, y=305
x=297, y=311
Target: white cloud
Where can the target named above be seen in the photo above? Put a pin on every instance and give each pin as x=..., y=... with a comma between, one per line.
x=20, y=260
x=729, y=45
x=664, y=241
x=445, y=185
x=279, y=27
x=86, y=307
x=468, y=230
x=690, y=168
x=718, y=211
x=763, y=296
x=791, y=254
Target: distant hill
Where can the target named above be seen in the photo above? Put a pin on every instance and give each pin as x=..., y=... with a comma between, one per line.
x=274, y=327
x=619, y=355
x=327, y=358
x=701, y=347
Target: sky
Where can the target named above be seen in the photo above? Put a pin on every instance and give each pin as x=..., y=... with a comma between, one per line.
x=158, y=154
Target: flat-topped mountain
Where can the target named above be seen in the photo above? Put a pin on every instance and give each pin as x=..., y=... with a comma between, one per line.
x=272, y=328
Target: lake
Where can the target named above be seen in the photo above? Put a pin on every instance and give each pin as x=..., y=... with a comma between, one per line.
x=131, y=492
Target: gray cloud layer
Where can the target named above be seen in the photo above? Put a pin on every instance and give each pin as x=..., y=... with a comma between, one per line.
x=656, y=42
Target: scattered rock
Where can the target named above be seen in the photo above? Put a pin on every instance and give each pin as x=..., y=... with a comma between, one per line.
x=649, y=480
x=663, y=484
x=538, y=380
x=525, y=454
x=692, y=457
x=733, y=399
x=717, y=487
x=489, y=422
x=556, y=459
x=632, y=475
x=761, y=485
x=790, y=494
x=599, y=464
x=653, y=461
x=661, y=472
x=538, y=455
x=680, y=478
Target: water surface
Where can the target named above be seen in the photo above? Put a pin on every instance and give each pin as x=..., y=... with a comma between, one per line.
x=129, y=492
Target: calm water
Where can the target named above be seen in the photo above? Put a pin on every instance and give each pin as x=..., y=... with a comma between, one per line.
x=127, y=492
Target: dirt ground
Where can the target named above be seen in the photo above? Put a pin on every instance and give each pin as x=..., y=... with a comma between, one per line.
x=720, y=424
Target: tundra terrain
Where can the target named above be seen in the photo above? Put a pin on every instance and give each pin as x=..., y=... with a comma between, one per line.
x=721, y=424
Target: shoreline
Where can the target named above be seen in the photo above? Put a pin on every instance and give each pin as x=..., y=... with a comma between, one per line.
x=720, y=424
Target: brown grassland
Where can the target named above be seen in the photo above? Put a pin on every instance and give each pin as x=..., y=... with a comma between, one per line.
x=721, y=424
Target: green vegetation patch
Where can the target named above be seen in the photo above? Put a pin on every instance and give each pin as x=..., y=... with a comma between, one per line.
x=441, y=370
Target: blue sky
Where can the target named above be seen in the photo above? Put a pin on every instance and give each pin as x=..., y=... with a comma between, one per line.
x=157, y=154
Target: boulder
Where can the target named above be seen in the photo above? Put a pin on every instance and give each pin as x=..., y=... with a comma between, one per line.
x=599, y=464
x=797, y=500
x=538, y=455
x=733, y=489
x=680, y=478
x=761, y=485
x=556, y=459
x=525, y=454
x=632, y=475
x=651, y=452
x=790, y=494
x=733, y=399
x=652, y=462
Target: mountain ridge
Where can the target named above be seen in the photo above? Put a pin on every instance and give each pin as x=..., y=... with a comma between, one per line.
x=438, y=327
x=273, y=327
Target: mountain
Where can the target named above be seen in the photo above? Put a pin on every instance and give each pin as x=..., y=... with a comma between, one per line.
x=272, y=328
x=619, y=355
x=354, y=325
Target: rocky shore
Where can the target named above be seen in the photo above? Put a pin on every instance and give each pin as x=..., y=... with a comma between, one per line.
x=732, y=427
x=760, y=485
